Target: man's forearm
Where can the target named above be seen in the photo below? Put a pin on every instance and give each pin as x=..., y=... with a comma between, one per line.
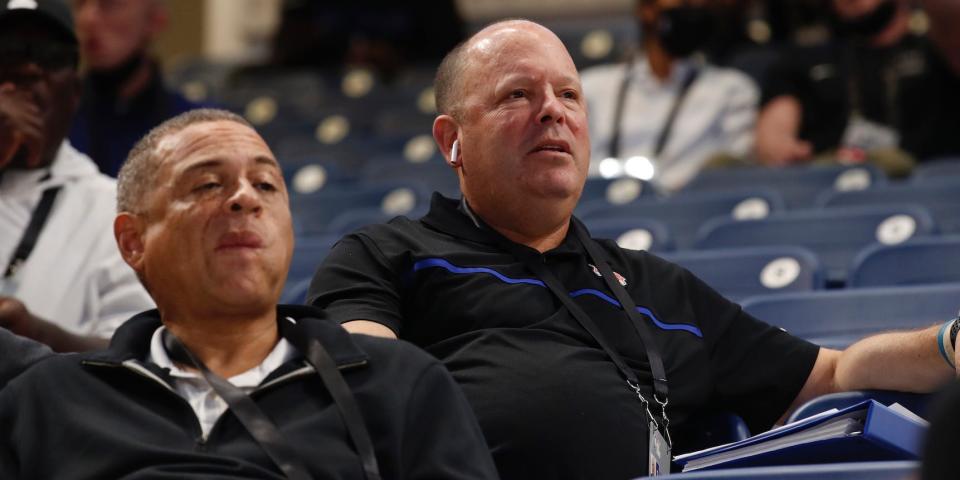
x=61, y=340
x=904, y=361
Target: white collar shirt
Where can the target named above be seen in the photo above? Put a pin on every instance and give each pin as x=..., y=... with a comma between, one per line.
x=190, y=384
x=717, y=115
x=74, y=276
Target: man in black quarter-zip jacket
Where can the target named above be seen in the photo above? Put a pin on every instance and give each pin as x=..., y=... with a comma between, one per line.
x=219, y=381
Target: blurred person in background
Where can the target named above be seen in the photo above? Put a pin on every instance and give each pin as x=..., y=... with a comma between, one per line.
x=876, y=92
x=664, y=104
x=382, y=36
x=123, y=91
x=62, y=281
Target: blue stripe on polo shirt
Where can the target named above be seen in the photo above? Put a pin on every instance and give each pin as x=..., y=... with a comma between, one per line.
x=444, y=264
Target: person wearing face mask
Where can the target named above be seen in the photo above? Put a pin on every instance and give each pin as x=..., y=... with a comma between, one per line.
x=876, y=93
x=123, y=95
x=665, y=105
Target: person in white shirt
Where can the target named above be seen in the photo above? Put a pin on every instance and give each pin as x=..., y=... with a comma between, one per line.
x=62, y=281
x=666, y=106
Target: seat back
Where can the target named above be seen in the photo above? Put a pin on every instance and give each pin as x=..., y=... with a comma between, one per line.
x=634, y=234
x=739, y=273
x=684, y=214
x=837, y=318
x=917, y=261
x=941, y=196
x=836, y=235
x=313, y=213
x=798, y=185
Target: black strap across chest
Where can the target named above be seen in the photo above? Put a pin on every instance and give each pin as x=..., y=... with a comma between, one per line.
x=263, y=430
x=534, y=261
x=28, y=241
x=616, y=134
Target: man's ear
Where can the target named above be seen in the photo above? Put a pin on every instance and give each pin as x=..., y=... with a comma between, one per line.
x=128, y=230
x=446, y=130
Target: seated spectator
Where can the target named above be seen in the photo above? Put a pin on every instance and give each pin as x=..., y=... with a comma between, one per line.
x=665, y=105
x=878, y=92
x=220, y=381
x=581, y=359
x=123, y=91
x=62, y=281
x=344, y=33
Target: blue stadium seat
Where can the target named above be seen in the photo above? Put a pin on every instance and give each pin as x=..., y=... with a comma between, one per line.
x=308, y=252
x=635, y=233
x=837, y=318
x=738, y=273
x=941, y=196
x=886, y=470
x=312, y=213
x=936, y=168
x=836, y=235
x=684, y=214
x=915, y=402
x=916, y=261
x=616, y=191
x=799, y=185
x=310, y=173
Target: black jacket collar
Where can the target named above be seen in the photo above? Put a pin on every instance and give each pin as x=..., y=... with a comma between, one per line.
x=132, y=340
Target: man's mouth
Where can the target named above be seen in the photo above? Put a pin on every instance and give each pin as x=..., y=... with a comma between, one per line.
x=552, y=146
x=239, y=240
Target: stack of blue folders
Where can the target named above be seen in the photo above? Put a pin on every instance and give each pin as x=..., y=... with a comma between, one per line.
x=867, y=431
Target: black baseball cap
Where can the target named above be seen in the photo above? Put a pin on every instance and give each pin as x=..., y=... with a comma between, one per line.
x=56, y=13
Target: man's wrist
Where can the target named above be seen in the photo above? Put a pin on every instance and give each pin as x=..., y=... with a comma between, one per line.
x=947, y=340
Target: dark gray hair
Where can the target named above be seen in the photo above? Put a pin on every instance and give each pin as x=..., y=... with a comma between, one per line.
x=137, y=174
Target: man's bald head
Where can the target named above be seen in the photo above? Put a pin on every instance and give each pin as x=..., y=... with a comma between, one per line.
x=449, y=82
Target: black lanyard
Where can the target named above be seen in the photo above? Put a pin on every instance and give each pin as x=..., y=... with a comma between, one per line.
x=30, y=236
x=535, y=263
x=262, y=429
x=616, y=133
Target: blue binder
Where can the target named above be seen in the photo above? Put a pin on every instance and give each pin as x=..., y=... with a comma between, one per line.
x=885, y=435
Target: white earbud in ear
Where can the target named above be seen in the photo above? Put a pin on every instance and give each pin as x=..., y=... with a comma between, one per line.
x=454, y=150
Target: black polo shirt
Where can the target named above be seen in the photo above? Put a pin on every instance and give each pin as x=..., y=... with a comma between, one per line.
x=550, y=402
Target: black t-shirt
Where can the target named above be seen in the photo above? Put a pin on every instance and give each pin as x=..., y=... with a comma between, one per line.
x=550, y=402
x=906, y=86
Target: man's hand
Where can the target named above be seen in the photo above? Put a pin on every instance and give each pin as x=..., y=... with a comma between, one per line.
x=21, y=127
x=15, y=317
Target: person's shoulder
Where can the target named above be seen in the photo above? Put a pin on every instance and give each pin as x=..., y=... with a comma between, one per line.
x=48, y=375
x=400, y=232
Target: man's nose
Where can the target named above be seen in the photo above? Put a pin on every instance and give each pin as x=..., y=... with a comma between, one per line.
x=552, y=109
x=246, y=198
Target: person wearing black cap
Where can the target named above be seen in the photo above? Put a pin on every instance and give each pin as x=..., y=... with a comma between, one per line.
x=61, y=279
